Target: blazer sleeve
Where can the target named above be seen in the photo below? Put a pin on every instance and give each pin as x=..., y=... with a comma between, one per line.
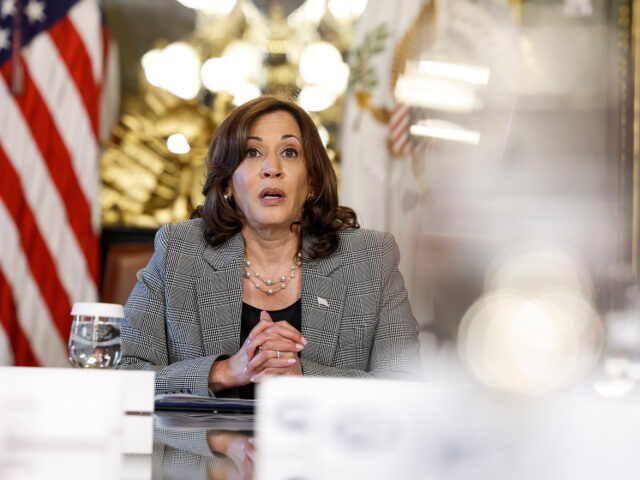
x=395, y=350
x=143, y=330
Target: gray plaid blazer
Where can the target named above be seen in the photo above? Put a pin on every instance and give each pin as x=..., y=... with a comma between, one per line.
x=185, y=309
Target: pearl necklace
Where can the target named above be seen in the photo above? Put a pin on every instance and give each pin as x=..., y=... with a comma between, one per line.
x=267, y=285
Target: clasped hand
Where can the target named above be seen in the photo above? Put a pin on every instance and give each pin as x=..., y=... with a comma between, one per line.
x=271, y=348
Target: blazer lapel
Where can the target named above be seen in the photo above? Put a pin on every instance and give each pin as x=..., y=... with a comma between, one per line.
x=322, y=305
x=219, y=296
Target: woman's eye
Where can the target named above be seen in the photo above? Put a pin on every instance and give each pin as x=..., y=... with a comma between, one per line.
x=252, y=152
x=290, y=152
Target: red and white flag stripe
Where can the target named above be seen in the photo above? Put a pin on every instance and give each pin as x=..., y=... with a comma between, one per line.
x=49, y=183
x=399, y=129
x=401, y=141
x=86, y=20
x=32, y=313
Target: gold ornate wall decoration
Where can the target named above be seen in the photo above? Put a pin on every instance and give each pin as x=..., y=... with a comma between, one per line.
x=145, y=184
x=628, y=30
x=635, y=241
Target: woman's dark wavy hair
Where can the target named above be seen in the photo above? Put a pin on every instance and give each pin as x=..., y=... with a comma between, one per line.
x=322, y=217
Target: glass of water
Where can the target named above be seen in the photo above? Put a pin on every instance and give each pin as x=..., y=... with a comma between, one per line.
x=95, y=335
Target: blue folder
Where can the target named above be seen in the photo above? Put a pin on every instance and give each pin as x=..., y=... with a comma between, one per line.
x=204, y=404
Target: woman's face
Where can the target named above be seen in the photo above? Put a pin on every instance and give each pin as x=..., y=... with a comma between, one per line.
x=270, y=185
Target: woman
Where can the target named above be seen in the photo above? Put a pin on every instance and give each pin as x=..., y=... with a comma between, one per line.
x=271, y=276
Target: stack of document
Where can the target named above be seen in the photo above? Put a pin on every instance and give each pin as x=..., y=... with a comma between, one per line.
x=181, y=401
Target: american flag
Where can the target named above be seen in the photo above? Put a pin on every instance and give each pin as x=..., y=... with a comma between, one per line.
x=52, y=61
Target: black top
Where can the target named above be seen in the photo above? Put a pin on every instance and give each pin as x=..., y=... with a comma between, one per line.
x=251, y=317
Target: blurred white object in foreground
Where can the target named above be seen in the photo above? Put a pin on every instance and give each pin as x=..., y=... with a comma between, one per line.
x=535, y=328
x=73, y=423
x=317, y=428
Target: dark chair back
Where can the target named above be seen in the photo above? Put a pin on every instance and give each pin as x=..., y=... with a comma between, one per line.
x=121, y=265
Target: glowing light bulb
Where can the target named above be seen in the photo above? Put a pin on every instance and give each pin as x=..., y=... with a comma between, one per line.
x=243, y=58
x=347, y=10
x=174, y=68
x=218, y=7
x=315, y=98
x=321, y=65
x=177, y=143
x=217, y=75
x=243, y=92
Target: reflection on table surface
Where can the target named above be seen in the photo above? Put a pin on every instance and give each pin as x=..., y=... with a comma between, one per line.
x=342, y=429
x=377, y=430
x=188, y=445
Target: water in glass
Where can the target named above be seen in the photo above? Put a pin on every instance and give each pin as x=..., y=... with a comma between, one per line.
x=94, y=343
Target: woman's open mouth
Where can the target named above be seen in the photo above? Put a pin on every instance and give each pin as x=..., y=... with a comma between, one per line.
x=271, y=196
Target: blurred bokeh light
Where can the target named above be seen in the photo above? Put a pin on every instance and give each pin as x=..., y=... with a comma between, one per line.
x=535, y=328
x=176, y=68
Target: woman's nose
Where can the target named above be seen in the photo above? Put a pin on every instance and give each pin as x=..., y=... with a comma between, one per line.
x=271, y=167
